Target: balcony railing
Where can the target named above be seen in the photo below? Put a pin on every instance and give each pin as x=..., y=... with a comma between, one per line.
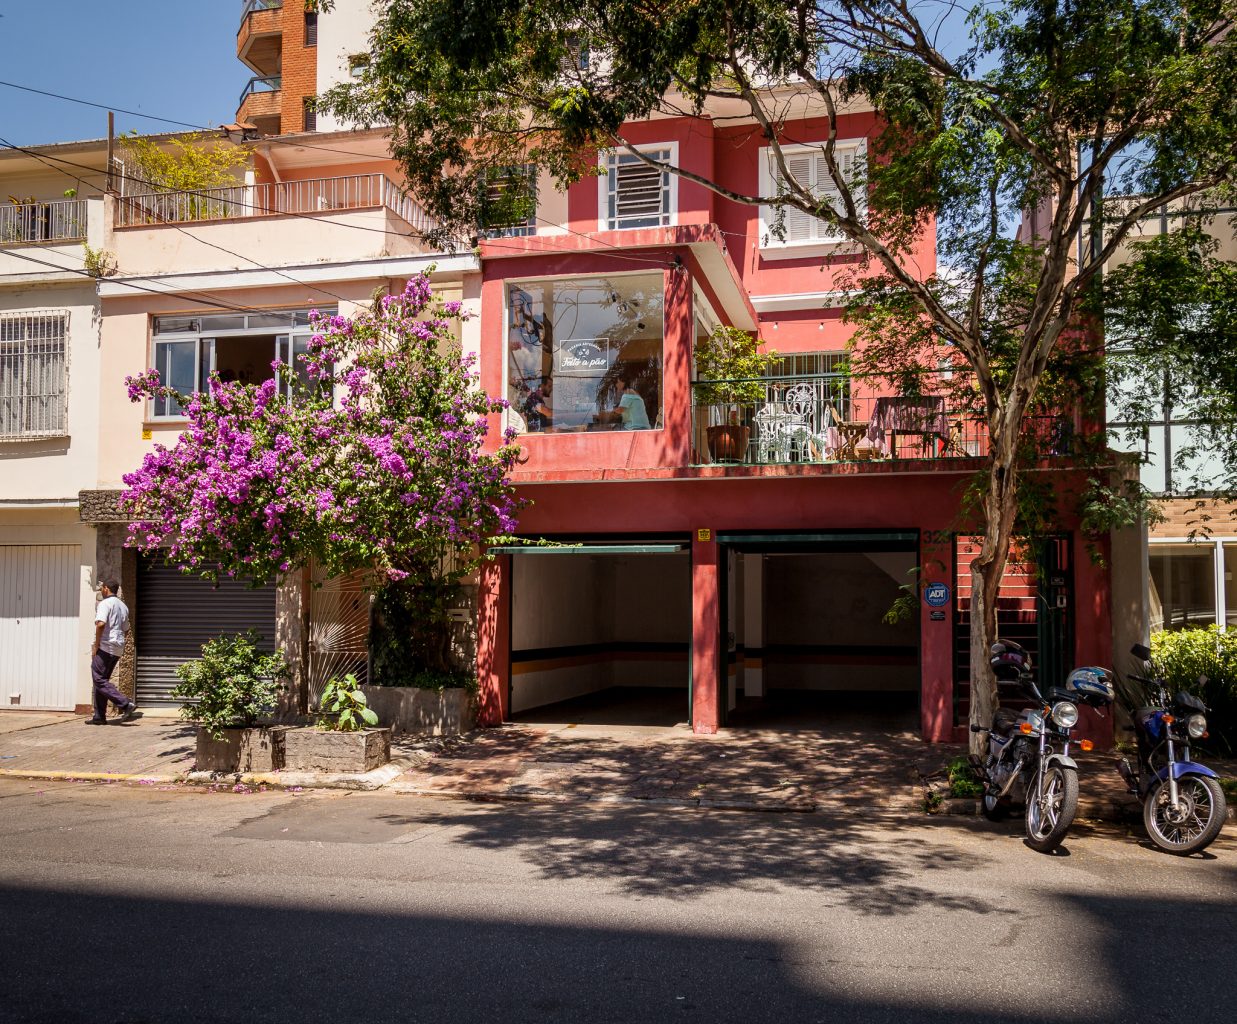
x=842, y=418
x=311, y=196
x=249, y=6
x=259, y=84
x=56, y=221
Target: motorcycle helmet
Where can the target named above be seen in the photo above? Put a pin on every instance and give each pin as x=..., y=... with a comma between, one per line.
x=1091, y=685
x=1009, y=660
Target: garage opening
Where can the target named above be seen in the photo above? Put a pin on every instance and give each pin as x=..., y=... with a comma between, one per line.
x=816, y=634
x=601, y=634
x=176, y=614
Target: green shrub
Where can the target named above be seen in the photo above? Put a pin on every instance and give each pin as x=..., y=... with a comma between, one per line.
x=1184, y=655
x=962, y=780
x=232, y=684
x=344, y=708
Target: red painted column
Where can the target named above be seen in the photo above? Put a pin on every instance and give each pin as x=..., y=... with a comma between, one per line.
x=936, y=689
x=494, y=640
x=706, y=633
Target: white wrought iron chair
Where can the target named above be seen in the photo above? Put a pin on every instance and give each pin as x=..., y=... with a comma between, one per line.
x=773, y=443
x=801, y=401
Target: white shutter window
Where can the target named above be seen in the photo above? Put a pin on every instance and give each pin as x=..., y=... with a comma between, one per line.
x=638, y=196
x=810, y=169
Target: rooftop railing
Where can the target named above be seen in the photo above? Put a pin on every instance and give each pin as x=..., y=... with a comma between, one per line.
x=60, y=220
x=297, y=198
x=260, y=84
x=844, y=418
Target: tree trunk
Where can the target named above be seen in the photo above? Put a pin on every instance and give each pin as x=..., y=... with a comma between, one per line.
x=987, y=568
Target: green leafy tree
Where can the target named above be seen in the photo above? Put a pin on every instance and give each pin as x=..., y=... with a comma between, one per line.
x=183, y=164
x=1038, y=109
x=1170, y=315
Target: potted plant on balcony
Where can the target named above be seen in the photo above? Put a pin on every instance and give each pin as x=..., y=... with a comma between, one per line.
x=729, y=369
x=228, y=692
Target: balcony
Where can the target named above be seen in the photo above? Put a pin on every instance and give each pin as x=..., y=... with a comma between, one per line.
x=354, y=217
x=259, y=40
x=841, y=418
x=260, y=102
x=32, y=223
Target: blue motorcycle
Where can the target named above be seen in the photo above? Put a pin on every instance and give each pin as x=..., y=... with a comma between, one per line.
x=1183, y=804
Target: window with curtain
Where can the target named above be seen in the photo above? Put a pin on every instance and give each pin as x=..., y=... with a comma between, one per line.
x=33, y=373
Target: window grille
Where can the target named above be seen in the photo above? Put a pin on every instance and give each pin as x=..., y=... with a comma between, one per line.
x=33, y=373
x=639, y=195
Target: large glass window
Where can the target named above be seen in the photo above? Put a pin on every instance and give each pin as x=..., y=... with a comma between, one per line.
x=238, y=347
x=1183, y=589
x=585, y=353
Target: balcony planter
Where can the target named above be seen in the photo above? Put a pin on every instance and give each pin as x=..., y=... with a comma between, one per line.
x=242, y=749
x=728, y=442
x=412, y=709
x=319, y=750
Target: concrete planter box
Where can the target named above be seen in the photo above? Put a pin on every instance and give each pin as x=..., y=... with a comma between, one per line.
x=316, y=750
x=424, y=712
x=256, y=749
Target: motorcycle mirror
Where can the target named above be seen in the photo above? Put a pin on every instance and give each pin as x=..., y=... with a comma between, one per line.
x=1141, y=652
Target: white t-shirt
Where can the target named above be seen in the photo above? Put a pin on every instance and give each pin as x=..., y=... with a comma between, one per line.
x=115, y=618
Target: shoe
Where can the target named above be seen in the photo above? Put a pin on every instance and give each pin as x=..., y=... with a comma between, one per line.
x=96, y=721
x=127, y=712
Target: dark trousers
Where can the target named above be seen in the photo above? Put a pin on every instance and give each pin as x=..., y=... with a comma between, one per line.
x=101, y=666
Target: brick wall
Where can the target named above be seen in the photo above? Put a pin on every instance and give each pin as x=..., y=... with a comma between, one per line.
x=299, y=71
x=1184, y=516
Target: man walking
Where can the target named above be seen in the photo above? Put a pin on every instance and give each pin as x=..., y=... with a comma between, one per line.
x=111, y=623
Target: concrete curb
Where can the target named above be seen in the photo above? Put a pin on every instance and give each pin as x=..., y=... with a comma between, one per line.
x=367, y=781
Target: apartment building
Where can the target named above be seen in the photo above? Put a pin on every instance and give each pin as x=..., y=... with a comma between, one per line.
x=295, y=53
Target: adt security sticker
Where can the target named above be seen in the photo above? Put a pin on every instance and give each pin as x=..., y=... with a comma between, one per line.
x=936, y=595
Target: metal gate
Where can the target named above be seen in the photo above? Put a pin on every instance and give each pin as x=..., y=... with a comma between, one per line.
x=40, y=598
x=177, y=614
x=338, y=631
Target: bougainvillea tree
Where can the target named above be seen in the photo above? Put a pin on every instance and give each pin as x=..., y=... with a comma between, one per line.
x=368, y=456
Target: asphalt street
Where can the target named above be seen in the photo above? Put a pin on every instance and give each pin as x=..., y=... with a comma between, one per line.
x=137, y=905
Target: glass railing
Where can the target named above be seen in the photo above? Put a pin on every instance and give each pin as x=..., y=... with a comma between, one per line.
x=845, y=418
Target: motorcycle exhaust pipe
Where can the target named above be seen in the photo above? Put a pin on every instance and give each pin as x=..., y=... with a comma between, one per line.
x=1013, y=777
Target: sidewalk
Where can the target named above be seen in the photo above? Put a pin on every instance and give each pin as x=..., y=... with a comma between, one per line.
x=750, y=770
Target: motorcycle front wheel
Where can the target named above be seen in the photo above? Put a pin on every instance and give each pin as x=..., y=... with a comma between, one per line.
x=1193, y=823
x=1052, y=801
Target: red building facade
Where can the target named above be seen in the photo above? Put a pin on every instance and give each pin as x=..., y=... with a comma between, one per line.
x=758, y=569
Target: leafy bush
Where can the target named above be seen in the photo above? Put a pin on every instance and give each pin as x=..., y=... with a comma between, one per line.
x=343, y=707
x=232, y=684
x=962, y=781
x=1184, y=655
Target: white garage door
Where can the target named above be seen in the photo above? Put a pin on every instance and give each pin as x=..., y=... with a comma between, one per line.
x=40, y=593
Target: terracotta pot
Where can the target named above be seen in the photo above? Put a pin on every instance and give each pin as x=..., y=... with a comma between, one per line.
x=728, y=442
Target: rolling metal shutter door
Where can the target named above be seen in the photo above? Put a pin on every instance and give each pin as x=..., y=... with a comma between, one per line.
x=40, y=601
x=177, y=614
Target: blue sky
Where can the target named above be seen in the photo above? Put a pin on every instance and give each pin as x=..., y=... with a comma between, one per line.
x=171, y=58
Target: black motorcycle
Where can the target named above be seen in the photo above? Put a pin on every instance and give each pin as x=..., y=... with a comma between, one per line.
x=1024, y=763
x=1183, y=804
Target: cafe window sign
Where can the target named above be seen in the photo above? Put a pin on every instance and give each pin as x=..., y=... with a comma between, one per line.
x=585, y=354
